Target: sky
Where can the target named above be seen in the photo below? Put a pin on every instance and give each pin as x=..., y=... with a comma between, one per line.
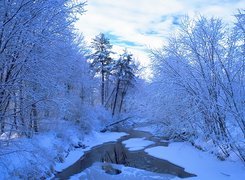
x=140, y=25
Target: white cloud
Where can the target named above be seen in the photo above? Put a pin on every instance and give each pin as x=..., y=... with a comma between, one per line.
x=146, y=22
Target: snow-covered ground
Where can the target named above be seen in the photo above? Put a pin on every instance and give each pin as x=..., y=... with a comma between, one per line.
x=95, y=172
x=24, y=157
x=38, y=156
x=204, y=165
x=47, y=146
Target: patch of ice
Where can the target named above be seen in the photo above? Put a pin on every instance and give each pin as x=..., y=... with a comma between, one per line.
x=135, y=144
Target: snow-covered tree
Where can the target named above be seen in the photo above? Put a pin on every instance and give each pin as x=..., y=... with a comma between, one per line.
x=201, y=76
x=101, y=61
x=124, y=71
x=36, y=48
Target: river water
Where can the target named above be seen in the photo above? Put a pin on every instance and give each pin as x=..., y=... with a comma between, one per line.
x=116, y=153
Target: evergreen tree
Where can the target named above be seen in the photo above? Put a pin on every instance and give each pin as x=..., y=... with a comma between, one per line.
x=124, y=70
x=101, y=61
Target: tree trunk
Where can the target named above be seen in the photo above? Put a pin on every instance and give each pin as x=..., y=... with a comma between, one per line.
x=115, y=101
x=21, y=107
x=33, y=125
x=2, y=120
x=102, y=87
x=34, y=113
x=108, y=99
x=106, y=87
x=15, y=113
x=123, y=95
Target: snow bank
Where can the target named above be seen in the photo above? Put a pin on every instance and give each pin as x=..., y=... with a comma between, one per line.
x=203, y=164
x=95, y=172
x=135, y=144
x=25, y=158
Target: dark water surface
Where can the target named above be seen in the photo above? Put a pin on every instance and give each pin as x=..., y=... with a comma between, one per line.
x=115, y=152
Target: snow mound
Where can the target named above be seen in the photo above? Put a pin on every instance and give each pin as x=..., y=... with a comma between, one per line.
x=135, y=144
x=96, y=172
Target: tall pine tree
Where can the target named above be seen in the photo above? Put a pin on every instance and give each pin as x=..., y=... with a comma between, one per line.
x=101, y=60
x=125, y=69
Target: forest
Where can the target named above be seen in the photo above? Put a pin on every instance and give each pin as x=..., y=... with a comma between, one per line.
x=57, y=91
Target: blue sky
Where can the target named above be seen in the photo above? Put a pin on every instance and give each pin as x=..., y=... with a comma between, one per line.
x=142, y=24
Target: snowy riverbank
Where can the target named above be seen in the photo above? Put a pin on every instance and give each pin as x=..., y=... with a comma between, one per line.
x=44, y=151
x=41, y=155
x=90, y=141
x=204, y=165
x=200, y=163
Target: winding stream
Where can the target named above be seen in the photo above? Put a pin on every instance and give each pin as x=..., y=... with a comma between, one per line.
x=116, y=153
